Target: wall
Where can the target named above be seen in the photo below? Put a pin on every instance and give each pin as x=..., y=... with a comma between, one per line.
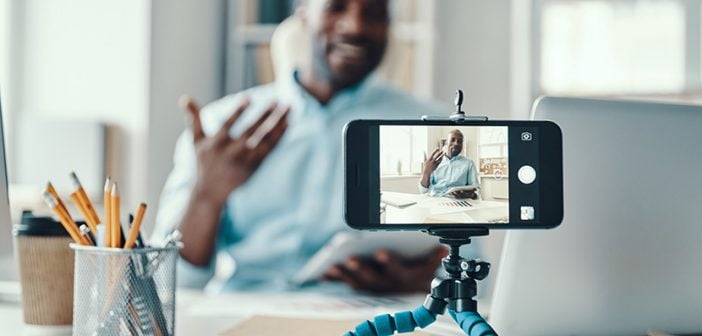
x=482, y=48
x=84, y=59
x=122, y=63
x=186, y=57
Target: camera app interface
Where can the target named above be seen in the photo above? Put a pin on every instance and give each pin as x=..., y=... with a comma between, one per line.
x=444, y=174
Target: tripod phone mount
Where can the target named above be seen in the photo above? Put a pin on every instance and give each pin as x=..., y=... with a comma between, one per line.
x=458, y=116
x=455, y=292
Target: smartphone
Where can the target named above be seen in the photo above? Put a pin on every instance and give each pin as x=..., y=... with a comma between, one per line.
x=422, y=175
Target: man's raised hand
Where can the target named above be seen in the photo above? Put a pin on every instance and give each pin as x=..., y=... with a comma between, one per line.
x=224, y=163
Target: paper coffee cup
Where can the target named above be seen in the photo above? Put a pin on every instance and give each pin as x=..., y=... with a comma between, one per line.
x=46, y=271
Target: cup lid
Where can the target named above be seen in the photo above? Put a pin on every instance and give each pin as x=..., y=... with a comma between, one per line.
x=42, y=226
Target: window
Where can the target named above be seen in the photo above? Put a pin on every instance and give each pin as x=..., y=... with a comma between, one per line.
x=492, y=151
x=617, y=47
x=402, y=150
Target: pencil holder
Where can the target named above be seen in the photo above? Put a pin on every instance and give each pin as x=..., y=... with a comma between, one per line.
x=124, y=292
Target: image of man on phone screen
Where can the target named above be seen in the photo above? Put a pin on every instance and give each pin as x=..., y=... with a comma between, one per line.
x=448, y=168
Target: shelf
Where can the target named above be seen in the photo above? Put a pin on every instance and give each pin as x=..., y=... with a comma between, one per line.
x=397, y=177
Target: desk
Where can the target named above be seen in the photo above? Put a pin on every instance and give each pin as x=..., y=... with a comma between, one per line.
x=417, y=208
x=198, y=314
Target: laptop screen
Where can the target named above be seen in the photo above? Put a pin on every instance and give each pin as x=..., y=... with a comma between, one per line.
x=5, y=222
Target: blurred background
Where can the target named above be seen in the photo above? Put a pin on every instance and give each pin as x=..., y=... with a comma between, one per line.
x=104, y=76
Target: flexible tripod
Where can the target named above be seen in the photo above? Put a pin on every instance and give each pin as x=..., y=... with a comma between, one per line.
x=456, y=292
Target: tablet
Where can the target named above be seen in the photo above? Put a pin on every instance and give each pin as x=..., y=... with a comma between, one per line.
x=471, y=187
x=363, y=244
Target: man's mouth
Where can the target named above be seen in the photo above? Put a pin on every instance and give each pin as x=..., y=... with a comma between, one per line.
x=350, y=52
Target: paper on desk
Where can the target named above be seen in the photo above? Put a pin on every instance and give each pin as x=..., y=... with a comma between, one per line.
x=274, y=326
x=295, y=305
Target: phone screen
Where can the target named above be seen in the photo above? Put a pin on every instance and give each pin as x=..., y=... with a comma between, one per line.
x=444, y=174
x=413, y=174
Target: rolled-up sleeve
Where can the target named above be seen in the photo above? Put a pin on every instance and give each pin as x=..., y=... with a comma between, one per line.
x=173, y=203
x=422, y=190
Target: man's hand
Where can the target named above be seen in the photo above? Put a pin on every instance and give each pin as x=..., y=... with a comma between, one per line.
x=387, y=272
x=225, y=163
x=430, y=164
x=463, y=194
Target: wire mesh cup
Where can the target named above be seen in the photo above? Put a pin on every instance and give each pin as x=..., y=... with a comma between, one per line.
x=124, y=291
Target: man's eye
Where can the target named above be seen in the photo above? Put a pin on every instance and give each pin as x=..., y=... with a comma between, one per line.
x=335, y=6
x=377, y=13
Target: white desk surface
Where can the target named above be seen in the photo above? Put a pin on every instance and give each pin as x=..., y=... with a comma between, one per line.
x=427, y=209
x=198, y=314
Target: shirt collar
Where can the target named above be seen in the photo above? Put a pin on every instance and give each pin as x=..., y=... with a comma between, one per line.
x=304, y=103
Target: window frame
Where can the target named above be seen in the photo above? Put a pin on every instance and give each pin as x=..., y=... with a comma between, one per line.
x=692, y=52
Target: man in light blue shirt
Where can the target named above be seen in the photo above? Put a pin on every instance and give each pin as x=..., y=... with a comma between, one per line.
x=445, y=169
x=258, y=179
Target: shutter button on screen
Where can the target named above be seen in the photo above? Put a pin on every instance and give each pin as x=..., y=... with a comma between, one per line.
x=526, y=174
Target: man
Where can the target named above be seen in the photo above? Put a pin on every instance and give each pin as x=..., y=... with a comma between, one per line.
x=263, y=184
x=448, y=168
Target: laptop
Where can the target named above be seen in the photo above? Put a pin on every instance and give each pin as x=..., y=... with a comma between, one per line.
x=627, y=258
x=9, y=286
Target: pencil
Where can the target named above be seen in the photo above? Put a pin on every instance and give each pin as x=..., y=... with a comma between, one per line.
x=108, y=212
x=135, y=227
x=82, y=207
x=50, y=188
x=83, y=196
x=114, y=217
x=67, y=223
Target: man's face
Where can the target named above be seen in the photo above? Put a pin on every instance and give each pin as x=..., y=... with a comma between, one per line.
x=454, y=144
x=349, y=38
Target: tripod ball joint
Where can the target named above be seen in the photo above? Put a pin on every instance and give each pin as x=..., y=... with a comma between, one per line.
x=476, y=269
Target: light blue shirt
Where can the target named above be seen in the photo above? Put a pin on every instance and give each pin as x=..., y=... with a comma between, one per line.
x=454, y=172
x=292, y=204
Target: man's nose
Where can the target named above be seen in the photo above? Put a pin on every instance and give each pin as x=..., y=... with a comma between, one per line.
x=351, y=22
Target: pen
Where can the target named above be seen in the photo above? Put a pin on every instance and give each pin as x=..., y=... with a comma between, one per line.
x=83, y=197
x=108, y=212
x=85, y=232
x=67, y=223
x=135, y=226
x=114, y=217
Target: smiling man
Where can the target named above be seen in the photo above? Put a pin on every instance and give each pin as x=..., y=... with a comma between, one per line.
x=447, y=168
x=259, y=177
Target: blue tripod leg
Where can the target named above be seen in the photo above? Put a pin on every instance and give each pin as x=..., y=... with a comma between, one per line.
x=402, y=322
x=472, y=323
